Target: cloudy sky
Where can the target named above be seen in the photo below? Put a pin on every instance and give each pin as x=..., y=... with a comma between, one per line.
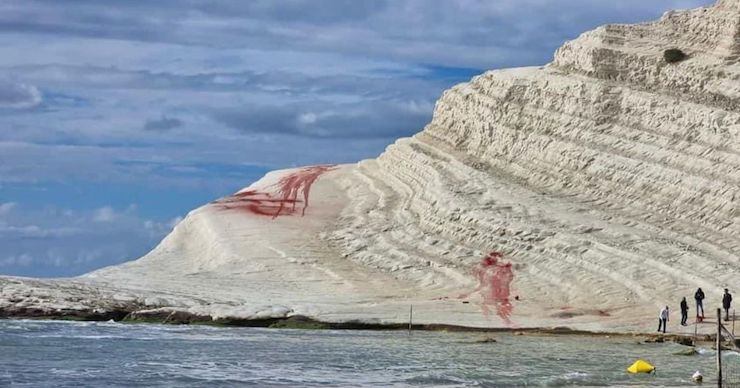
x=117, y=120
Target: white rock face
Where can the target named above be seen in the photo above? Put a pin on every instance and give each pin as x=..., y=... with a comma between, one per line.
x=609, y=180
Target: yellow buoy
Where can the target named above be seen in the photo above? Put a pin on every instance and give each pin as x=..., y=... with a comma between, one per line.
x=641, y=366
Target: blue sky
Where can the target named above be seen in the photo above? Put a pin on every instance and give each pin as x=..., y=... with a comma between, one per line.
x=115, y=121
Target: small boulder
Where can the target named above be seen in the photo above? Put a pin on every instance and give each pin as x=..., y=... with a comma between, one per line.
x=487, y=340
x=686, y=341
x=687, y=352
x=697, y=377
x=674, y=55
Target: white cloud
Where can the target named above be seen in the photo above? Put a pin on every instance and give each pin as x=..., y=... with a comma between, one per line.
x=7, y=207
x=22, y=260
x=105, y=214
x=159, y=229
x=36, y=241
x=173, y=222
x=59, y=258
x=35, y=231
x=307, y=118
x=18, y=96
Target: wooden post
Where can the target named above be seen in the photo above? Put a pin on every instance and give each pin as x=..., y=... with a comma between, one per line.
x=719, y=348
x=411, y=316
x=695, y=329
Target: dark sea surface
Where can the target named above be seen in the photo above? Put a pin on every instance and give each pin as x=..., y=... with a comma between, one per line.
x=75, y=354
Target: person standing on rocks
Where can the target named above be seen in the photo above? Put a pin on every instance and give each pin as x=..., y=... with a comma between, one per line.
x=684, y=311
x=699, y=297
x=663, y=318
x=726, y=302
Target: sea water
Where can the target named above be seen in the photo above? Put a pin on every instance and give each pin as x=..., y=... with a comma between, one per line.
x=75, y=354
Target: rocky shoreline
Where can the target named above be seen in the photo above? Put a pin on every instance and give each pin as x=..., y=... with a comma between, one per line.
x=174, y=317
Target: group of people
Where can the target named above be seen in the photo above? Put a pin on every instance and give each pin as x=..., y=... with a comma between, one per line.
x=699, y=298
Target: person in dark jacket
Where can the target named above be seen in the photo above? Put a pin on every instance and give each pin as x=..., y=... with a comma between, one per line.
x=684, y=311
x=699, y=297
x=726, y=302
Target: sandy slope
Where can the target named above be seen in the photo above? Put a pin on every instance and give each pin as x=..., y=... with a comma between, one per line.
x=609, y=182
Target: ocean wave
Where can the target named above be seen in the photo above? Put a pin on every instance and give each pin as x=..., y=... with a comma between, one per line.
x=575, y=378
x=115, y=354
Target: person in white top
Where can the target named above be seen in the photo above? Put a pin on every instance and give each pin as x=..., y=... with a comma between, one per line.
x=663, y=318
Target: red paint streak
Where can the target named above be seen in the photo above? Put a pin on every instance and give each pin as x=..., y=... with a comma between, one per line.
x=494, y=285
x=279, y=199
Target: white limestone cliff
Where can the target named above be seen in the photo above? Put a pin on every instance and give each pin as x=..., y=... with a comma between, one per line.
x=608, y=179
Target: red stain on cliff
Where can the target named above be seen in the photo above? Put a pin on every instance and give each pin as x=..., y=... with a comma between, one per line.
x=287, y=196
x=494, y=285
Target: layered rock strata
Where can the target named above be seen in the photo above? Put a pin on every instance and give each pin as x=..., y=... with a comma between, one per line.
x=586, y=193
